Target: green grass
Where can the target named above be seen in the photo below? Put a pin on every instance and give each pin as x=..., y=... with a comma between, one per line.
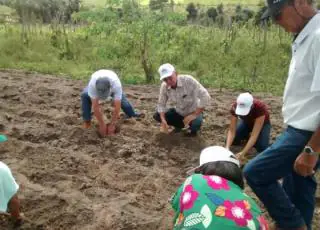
x=195, y=50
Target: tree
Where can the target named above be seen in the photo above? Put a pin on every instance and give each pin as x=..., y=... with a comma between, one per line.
x=220, y=8
x=192, y=11
x=45, y=10
x=212, y=13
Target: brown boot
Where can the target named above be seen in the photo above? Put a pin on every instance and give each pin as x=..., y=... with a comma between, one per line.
x=87, y=124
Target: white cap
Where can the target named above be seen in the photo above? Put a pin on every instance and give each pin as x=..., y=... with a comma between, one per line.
x=166, y=70
x=244, y=103
x=215, y=154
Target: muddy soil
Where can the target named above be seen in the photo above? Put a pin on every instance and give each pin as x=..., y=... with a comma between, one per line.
x=72, y=179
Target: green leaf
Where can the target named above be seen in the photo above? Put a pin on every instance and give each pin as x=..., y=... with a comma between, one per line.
x=194, y=219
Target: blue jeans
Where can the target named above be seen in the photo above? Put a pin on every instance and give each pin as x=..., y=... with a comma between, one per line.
x=176, y=120
x=86, y=106
x=292, y=204
x=243, y=132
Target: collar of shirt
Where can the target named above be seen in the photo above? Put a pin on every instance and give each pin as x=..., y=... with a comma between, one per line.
x=309, y=27
x=179, y=83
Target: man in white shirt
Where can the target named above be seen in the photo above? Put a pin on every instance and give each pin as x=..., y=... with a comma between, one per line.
x=102, y=85
x=294, y=156
x=9, y=200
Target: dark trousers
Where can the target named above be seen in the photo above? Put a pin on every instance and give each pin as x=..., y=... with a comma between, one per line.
x=292, y=204
x=176, y=120
x=243, y=132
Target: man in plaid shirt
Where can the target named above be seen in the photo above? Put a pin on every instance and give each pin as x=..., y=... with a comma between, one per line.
x=182, y=101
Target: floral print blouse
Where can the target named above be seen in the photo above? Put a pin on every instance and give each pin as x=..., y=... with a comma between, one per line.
x=212, y=202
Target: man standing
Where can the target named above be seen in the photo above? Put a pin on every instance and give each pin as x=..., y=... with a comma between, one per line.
x=295, y=153
x=249, y=122
x=104, y=84
x=186, y=99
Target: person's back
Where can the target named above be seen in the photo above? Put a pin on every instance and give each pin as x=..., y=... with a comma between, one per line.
x=212, y=202
x=213, y=197
x=8, y=186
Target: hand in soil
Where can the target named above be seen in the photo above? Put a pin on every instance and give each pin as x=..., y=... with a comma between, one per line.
x=111, y=129
x=164, y=128
x=103, y=130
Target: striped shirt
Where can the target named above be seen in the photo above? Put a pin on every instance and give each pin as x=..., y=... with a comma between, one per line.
x=186, y=98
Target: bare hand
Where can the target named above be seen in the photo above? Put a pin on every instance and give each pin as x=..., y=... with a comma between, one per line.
x=305, y=164
x=164, y=127
x=241, y=156
x=103, y=130
x=188, y=119
x=111, y=129
x=19, y=221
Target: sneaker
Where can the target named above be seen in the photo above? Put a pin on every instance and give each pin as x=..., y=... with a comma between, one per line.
x=86, y=124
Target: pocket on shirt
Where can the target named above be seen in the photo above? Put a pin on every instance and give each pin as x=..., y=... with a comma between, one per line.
x=187, y=100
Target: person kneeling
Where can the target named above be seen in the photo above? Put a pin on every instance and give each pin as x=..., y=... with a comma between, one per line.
x=102, y=85
x=250, y=122
x=213, y=197
x=187, y=98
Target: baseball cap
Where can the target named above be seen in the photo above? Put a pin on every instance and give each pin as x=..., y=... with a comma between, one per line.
x=215, y=154
x=244, y=103
x=166, y=70
x=274, y=8
x=103, y=88
x=3, y=138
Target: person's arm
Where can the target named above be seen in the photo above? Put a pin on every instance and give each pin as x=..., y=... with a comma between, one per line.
x=116, y=111
x=232, y=131
x=163, y=117
x=305, y=163
x=163, y=98
x=98, y=114
x=314, y=142
x=198, y=111
x=97, y=111
x=257, y=127
x=192, y=116
x=204, y=99
x=14, y=207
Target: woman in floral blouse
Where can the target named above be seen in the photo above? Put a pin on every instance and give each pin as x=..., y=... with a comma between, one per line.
x=213, y=198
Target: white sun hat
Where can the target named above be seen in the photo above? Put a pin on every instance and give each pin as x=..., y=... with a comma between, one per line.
x=215, y=154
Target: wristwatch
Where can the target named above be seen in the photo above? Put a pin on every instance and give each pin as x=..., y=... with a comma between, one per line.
x=308, y=149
